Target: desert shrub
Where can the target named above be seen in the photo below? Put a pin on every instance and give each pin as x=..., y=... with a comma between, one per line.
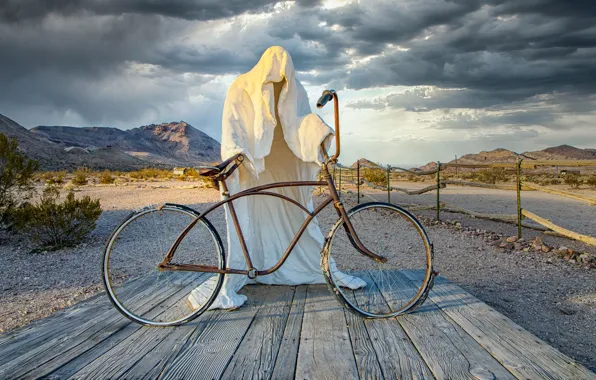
x=106, y=178
x=80, y=176
x=151, y=173
x=492, y=175
x=573, y=180
x=375, y=176
x=52, y=224
x=52, y=178
x=591, y=181
x=414, y=178
x=16, y=177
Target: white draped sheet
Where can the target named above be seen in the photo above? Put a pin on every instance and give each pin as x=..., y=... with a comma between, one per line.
x=267, y=117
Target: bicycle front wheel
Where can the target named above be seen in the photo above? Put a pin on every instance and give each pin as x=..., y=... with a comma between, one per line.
x=396, y=235
x=134, y=282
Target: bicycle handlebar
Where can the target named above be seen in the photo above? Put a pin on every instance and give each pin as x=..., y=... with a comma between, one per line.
x=327, y=96
x=324, y=99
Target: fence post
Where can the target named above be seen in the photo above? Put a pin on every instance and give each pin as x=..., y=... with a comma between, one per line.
x=438, y=189
x=518, y=187
x=358, y=179
x=388, y=183
x=340, y=183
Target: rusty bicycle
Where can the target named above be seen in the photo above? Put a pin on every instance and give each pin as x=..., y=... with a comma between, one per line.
x=159, y=254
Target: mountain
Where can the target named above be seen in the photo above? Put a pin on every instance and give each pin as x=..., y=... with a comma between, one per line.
x=562, y=152
x=66, y=148
x=171, y=144
x=364, y=163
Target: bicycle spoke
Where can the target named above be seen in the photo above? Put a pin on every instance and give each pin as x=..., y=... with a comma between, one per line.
x=386, y=231
x=137, y=249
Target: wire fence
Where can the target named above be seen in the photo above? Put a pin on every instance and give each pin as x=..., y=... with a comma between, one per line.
x=356, y=176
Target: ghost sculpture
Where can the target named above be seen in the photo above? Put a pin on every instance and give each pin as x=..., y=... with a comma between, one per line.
x=268, y=119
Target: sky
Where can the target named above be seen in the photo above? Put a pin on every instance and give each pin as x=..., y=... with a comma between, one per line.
x=418, y=80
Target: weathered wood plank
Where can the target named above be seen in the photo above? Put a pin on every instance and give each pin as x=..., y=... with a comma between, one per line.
x=79, y=332
x=590, y=200
x=563, y=231
x=207, y=352
x=325, y=351
x=516, y=349
x=397, y=356
x=39, y=330
x=58, y=335
x=447, y=349
x=255, y=356
x=364, y=352
x=117, y=361
x=111, y=326
x=285, y=363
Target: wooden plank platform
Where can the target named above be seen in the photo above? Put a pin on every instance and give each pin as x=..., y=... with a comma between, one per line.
x=289, y=332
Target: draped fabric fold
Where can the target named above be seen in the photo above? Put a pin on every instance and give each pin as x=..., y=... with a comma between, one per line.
x=267, y=117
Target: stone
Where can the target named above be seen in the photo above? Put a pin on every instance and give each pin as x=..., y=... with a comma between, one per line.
x=517, y=246
x=511, y=239
x=506, y=245
x=537, y=243
x=545, y=248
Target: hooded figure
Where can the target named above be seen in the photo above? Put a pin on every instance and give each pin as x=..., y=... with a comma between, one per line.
x=267, y=118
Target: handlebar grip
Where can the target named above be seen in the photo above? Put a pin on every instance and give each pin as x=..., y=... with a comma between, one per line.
x=327, y=96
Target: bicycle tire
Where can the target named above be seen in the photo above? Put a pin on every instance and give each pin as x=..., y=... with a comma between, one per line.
x=377, y=299
x=164, y=303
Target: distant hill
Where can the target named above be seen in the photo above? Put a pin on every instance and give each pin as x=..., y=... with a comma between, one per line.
x=364, y=162
x=562, y=152
x=156, y=145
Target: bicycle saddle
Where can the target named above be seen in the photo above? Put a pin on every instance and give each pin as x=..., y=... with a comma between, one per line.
x=217, y=169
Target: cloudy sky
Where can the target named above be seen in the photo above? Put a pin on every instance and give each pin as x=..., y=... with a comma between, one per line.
x=419, y=80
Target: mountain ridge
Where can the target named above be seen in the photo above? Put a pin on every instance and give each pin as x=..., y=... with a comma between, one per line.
x=154, y=145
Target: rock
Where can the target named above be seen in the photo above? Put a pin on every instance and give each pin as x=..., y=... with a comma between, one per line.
x=567, y=310
x=527, y=249
x=511, y=239
x=545, y=248
x=458, y=224
x=517, y=246
x=549, y=261
x=506, y=245
x=537, y=243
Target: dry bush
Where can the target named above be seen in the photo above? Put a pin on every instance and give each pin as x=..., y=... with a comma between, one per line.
x=573, y=180
x=491, y=176
x=81, y=176
x=106, y=178
x=151, y=173
x=16, y=178
x=52, y=178
x=414, y=178
x=375, y=176
x=591, y=181
x=52, y=224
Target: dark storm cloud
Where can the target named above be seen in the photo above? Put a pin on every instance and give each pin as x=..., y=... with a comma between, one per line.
x=26, y=10
x=83, y=55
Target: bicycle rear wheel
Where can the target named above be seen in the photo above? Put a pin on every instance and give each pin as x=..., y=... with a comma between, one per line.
x=388, y=231
x=134, y=283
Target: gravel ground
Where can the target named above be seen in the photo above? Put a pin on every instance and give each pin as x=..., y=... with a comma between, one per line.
x=551, y=298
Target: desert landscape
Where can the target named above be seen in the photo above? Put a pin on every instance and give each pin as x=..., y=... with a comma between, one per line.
x=552, y=297
x=545, y=283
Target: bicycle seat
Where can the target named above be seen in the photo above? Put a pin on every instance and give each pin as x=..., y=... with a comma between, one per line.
x=217, y=169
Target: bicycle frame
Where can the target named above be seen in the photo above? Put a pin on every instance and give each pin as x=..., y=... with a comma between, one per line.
x=333, y=197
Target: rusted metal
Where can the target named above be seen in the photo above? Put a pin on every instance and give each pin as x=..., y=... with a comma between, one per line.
x=222, y=171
